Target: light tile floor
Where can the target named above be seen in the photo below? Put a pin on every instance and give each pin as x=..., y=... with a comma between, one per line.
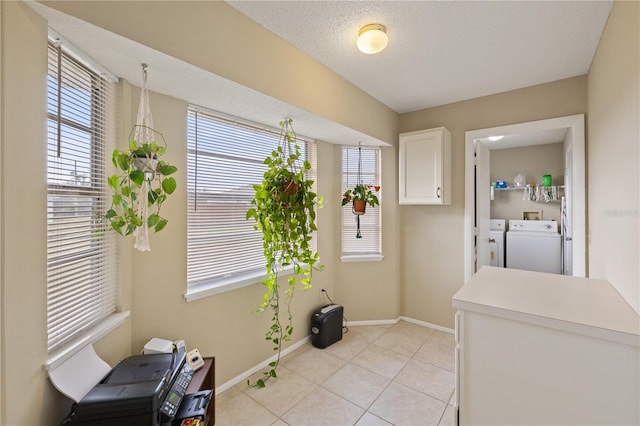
x=398, y=374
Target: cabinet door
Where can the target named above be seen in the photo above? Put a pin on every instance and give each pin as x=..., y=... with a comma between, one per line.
x=424, y=168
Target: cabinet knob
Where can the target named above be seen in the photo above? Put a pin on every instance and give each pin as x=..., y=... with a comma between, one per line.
x=438, y=192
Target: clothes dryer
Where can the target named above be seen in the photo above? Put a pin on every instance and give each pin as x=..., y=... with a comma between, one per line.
x=496, y=242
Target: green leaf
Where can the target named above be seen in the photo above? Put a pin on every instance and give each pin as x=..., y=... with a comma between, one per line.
x=152, y=197
x=160, y=225
x=130, y=228
x=110, y=213
x=251, y=213
x=272, y=373
x=169, y=185
x=133, y=145
x=153, y=220
x=123, y=161
x=112, y=181
x=167, y=170
x=116, y=227
x=260, y=383
x=137, y=176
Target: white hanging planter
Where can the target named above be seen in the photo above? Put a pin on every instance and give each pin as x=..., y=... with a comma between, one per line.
x=144, y=182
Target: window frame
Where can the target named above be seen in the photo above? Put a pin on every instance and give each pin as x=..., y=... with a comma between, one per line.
x=106, y=314
x=206, y=287
x=347, y=181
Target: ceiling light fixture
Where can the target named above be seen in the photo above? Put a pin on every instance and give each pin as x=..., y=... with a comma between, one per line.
x=372, y=38
x=495, y=138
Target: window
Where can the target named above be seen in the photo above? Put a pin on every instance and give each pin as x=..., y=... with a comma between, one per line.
x=81, y=286
x=224, y=160
x=369, y=247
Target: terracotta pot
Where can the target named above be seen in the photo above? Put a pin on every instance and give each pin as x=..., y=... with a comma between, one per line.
x=359, y=207
x=290, y=188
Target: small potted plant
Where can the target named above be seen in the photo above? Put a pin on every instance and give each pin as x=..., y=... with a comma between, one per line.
x=360, y=196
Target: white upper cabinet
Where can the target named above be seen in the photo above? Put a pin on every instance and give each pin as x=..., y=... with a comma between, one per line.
x=425, y=167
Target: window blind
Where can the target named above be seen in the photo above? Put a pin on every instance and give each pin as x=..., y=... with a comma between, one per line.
x=371, y=222
x=81, y=285
x=224, y=160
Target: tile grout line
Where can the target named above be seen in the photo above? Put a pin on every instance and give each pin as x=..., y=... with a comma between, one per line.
x=349, y=360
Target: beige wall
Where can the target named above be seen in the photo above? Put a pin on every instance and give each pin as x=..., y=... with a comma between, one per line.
x=370, y=290
x=614, y=154
x=225, y=325
x=432, y=237
x=27, y=396
x=215, y=37
x=422, y=245
x=23, y=190
x=532, y=162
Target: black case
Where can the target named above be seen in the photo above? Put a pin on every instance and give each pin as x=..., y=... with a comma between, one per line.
x=326, y=326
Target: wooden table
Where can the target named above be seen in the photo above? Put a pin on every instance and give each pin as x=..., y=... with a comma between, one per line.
x=205, y=379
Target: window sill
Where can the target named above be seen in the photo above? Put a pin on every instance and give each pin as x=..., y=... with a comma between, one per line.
x=361, y=258
x=60, y=355
x=214, y=287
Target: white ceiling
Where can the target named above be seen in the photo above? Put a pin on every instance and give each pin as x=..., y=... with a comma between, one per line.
x=441, y=52
x=517, y=140
x=438, y=53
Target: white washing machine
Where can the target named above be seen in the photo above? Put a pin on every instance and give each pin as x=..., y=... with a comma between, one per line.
x=534, y=245
x=496, y=242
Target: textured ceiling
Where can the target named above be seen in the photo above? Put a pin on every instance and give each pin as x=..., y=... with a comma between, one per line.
x=438, y=53
x=441, y=52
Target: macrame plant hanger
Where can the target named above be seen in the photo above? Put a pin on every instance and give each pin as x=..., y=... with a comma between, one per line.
x=143, y=133
x=358, y=182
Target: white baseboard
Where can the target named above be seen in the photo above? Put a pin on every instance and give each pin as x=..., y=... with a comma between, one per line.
x=373, y=322
x=243, y=376
x=401, y=318
x=428, y=324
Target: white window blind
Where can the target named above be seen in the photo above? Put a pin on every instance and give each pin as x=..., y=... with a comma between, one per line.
x=225, y=159
x=371, y=222
x=81, y=285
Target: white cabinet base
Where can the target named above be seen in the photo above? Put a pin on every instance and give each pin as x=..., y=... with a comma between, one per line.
x=522, y=374
x=545, y=349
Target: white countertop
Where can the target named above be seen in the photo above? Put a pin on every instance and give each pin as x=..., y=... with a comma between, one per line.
x=580, y=305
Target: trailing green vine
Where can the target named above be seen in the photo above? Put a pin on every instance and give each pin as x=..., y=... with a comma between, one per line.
x=285, y=213
x=138, y=165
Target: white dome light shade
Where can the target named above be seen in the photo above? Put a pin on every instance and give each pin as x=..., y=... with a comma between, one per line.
x=373, y=38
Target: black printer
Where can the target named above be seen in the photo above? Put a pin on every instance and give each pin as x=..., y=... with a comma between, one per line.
x=140, y=390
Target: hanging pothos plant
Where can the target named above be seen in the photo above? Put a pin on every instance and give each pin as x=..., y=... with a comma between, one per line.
x=285, y=211
x=139, y=189
x=143, y=181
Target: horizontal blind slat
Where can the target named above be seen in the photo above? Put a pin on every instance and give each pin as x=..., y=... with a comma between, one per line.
x=224, y=160
x=81, y=287
x=368, y=163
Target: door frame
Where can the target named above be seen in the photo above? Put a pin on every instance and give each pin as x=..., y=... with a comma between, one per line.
x=575, y=125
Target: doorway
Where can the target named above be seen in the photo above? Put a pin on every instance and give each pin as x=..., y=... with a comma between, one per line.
x=477, y=184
